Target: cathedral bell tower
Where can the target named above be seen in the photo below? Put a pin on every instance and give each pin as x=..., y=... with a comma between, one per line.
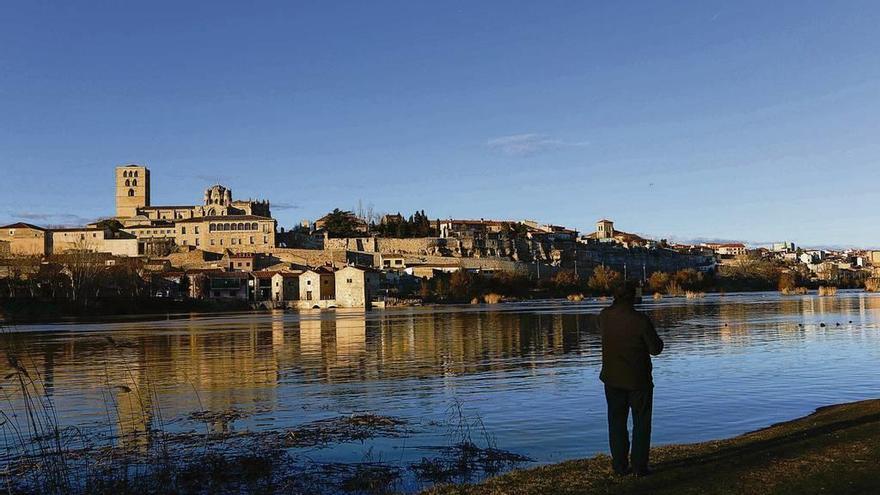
x=132, y=189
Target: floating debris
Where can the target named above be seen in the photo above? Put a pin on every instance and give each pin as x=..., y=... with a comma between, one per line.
x=357, y=427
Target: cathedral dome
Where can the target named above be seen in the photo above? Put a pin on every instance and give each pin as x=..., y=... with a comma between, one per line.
x=218, y=195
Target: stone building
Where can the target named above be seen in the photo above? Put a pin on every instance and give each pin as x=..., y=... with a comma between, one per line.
x=132, y=190
x=604, y=229
x=730, y=249
x=133, y=205
x=356, y=287
x=470, y=228
x=237, y=233
x=240, y=262
x=317, y=284
x=93, y=239
x=26, y=239
x=285, y=286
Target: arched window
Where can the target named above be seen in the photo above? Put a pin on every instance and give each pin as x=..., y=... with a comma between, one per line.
x=241, y=226
x=234, y=227
x=254, y=226
x=225, y=226
x=134, y=182
x=131, y=193
x=125, y=173
x=135, y=173
x=127, y=183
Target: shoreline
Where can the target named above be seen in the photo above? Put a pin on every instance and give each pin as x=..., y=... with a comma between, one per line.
x=836, y=449
x=51, y=312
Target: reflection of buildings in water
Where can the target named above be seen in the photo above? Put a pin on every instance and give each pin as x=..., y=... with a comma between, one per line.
x=332, y=345
x=277, y=329
x=351, y=333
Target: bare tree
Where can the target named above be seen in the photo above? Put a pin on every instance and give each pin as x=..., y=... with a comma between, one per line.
x=84, y=267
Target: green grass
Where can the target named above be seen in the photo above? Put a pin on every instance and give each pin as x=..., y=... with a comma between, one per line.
x=834, y=450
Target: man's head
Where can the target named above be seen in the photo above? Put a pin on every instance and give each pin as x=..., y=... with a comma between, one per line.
x=625, y=293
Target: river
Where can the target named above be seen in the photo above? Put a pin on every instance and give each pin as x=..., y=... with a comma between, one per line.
x=523, y=374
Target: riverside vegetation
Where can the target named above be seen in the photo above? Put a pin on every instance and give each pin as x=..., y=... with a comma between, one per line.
x=41, y=455
x=834, y=450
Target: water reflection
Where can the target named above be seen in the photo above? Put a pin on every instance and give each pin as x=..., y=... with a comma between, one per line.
x=512, y=363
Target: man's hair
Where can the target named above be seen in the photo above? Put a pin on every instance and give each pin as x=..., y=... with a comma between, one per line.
x=625, y=293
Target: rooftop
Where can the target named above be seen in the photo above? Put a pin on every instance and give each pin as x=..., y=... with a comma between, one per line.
x=229, y=218
x=22, y=225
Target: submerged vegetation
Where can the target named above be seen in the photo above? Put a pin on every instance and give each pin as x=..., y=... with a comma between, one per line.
x=138, y=450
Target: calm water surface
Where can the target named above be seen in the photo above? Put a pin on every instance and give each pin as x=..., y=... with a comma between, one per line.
x=732, y=364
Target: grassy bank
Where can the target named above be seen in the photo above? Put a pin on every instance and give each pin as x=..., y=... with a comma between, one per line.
x=834, y=450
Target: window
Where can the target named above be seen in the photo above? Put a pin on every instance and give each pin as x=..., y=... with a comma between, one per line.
x=196, y=228
x=252, y=239
x=239, y=263
x=197, y=241
x=308, y=282
x=265, y=239
x=184, y=242
x=212, y=242
x=135, y=173
x=127, y=183
x=221, y=242
x=130, y=193
x=134, y=182
x=125, y=173
x=183, y=230
x=348, y=281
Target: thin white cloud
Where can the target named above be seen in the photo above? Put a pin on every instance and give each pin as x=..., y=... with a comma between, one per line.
x=285, y=206
x=528, y=144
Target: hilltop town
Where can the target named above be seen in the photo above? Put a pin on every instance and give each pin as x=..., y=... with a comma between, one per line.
x=225, y=249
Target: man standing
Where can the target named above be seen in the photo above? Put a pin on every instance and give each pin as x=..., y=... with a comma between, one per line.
x=628, y=341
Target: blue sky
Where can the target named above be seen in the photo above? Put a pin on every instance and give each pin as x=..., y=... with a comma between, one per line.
x=744, y=120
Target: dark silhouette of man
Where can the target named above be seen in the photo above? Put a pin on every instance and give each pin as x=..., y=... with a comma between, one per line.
x=628, y=342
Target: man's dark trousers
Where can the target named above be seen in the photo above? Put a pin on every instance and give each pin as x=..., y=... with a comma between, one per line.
x=620, y=401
